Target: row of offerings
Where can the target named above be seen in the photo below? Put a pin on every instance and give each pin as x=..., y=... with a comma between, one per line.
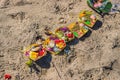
x=56, y=42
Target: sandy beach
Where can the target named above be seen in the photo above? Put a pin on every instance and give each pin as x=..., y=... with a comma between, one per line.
x=96, y=56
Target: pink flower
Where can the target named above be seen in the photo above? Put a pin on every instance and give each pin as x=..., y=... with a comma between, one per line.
x=92, y=17
x=81, y=24
x=27, y=53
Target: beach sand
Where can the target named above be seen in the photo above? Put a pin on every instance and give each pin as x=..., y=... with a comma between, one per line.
x=96, y=55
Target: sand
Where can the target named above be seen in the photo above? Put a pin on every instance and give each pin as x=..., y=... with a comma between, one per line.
x=96, y=55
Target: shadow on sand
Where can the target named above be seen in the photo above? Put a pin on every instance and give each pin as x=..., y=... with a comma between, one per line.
x=85, y=36
x=44, y=62
x=97, y=25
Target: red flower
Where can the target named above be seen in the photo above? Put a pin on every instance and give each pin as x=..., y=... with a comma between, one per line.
x=7, y=76
x=42, y=52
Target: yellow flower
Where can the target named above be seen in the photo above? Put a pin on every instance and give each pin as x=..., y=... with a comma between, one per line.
x=33, y=55
x=47, y=41
x=60, y=45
